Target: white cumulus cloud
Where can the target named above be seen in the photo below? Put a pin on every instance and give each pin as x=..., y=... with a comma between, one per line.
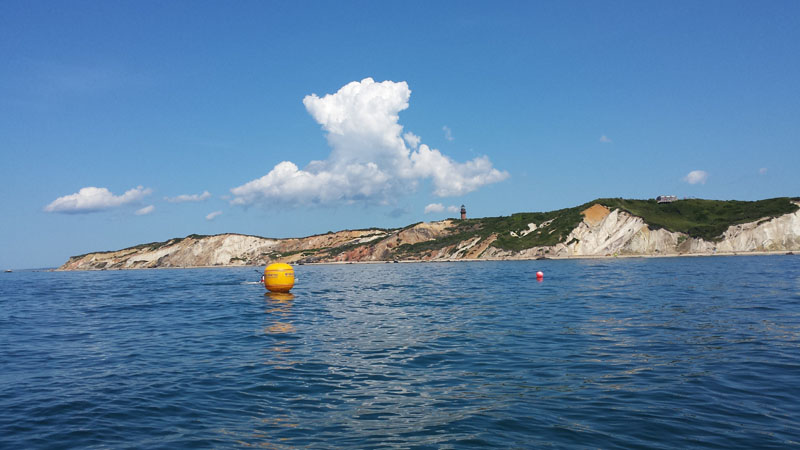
x=189, y=198
x=696, y=176
x=605, y=139
x=93, y=199
x=146, y=210
x=371, y=159
x=213, y=215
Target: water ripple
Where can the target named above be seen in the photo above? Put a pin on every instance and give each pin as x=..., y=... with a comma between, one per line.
x=664, y=353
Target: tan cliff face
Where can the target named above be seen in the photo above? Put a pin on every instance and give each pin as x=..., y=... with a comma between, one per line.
x=602, y=232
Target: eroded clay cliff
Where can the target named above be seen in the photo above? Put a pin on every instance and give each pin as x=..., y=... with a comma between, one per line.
x=601, y=232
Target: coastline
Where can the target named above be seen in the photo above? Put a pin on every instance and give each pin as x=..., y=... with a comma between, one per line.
x=598, y=232
x=409, y=261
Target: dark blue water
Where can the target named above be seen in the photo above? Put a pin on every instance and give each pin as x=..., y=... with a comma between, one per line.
x=635, y=353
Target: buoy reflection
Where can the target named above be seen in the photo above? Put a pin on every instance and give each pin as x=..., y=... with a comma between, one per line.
x=280, y=297
x=281, y=306
x=280, y=328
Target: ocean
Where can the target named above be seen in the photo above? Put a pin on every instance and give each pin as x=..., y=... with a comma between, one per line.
x=700, y=352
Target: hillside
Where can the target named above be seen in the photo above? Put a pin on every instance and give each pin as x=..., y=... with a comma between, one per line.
x=603, y=227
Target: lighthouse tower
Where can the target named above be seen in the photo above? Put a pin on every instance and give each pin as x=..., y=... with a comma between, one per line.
x=463, y=212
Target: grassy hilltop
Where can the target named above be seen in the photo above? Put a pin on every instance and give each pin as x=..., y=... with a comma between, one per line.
x=706, y=219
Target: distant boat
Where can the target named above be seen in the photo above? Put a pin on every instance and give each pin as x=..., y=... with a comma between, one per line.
x=8, y=270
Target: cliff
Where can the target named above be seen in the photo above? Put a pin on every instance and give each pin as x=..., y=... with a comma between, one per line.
x=604, y=227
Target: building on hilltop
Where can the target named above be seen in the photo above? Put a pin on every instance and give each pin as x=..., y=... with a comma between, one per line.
x=666, y=198
x=463, y=212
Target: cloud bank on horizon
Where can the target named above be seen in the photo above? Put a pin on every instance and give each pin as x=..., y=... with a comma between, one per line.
x=371, y=159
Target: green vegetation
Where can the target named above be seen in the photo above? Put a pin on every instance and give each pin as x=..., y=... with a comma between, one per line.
x=150, y=246
x=157, y=245
x=557, y=225
x=706, y=219
x=553, y=227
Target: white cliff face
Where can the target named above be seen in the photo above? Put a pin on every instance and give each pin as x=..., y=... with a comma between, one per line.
x=231, y=248
x=227, y=249
x=618, y=233
x=778, y=234
x=650, y=242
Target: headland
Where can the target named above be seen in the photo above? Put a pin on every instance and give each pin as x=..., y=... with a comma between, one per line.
x=610, y=227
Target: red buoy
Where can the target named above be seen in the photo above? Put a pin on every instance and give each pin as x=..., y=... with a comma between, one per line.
x=539, y=276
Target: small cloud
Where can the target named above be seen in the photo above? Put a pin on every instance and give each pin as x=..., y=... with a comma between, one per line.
x=189, y=198
x=412, y=139
x=438, y=208
x=696, y=176
x=434, y=208
x=448, y=133
x=762, y=171
x=145, y=211
x=213, y=215
x=605, y=139
x=94, y=199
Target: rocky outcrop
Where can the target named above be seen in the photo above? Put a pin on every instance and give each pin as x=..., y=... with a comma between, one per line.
x=601, y=232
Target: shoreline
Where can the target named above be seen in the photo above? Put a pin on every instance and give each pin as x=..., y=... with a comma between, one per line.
x=408, y=261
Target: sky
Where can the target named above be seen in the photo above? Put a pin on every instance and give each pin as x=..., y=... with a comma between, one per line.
x=126, y=122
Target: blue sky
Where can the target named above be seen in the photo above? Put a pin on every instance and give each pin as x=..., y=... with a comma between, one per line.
x=130, y=122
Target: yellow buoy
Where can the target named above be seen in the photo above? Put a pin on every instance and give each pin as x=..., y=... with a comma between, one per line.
x=279, y=277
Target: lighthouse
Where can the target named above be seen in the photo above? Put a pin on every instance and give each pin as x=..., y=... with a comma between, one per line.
x=463, y=212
